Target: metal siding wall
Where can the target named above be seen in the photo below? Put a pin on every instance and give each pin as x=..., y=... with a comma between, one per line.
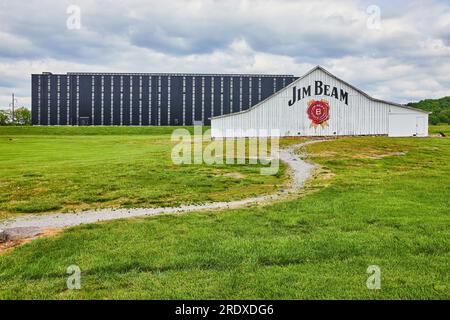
x=71, y=101
x=163, y=107
x=107, y=101
x=116, y=100
x=198, y=99
x=226, y=95
x=266, y=87
x=85, y=108
x=145, y=100
x=68, y=98
x=253, y=91
x=34, y=99
x=208, y=104
x=154, y=106
x=138, y=88
x=53, y=104
x=105, y=107
x=97, y=115
x=51, y=100
x=188, y=101
x=176, y=101
x=126, y=101
x=44, y=100
x=289, y=80
x=216, y=96
x=236, y=92
x=63, y=101
x=245, y=93
x=134, y=101
x=279, y=84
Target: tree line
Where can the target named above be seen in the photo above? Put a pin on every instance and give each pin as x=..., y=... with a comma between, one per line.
x=21, y=116
x=440, y=109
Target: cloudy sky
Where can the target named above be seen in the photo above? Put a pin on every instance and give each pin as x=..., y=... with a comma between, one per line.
x=393, y=50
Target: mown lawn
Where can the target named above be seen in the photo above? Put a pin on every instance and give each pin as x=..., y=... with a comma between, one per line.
x=379, y=201
x=46, y=169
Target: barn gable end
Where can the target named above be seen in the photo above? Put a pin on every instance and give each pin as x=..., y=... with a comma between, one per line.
x=320, y=104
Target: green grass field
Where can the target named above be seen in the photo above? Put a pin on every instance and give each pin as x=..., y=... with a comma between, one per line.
x=72, y=168
x=379, y=201
x=441, y=128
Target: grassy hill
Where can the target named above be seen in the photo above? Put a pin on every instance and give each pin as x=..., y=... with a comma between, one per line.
x=440, y=109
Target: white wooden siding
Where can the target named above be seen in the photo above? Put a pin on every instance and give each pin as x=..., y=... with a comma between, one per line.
x=362, y=115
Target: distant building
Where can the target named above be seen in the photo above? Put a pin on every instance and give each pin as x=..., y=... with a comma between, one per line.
x=142, y=99
x=321, y=104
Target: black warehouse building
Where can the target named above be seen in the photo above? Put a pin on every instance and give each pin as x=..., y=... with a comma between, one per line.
x=145, y=98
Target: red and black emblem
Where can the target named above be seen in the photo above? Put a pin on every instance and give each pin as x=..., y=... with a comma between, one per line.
x=318, y=112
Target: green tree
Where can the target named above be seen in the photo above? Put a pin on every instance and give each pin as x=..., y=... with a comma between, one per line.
x=4, y=117
x=440, y=109
x=444, y=116
x=22, y=116
x=434, y=119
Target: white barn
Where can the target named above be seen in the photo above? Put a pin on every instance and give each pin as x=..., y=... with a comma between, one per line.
x=321, y=104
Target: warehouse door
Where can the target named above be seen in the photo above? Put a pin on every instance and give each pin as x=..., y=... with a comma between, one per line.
x=84, y=121
x=402, y=125
x=421, y=126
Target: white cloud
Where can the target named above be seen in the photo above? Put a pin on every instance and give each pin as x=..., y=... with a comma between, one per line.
x=407, y=59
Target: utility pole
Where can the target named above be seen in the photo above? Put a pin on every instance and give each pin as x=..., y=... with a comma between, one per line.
x=12, y=106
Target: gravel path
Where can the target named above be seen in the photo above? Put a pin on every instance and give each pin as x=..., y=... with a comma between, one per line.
x=30, y=226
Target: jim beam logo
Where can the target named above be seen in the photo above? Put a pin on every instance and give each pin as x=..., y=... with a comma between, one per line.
x=320, y=89
x=318, y=112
